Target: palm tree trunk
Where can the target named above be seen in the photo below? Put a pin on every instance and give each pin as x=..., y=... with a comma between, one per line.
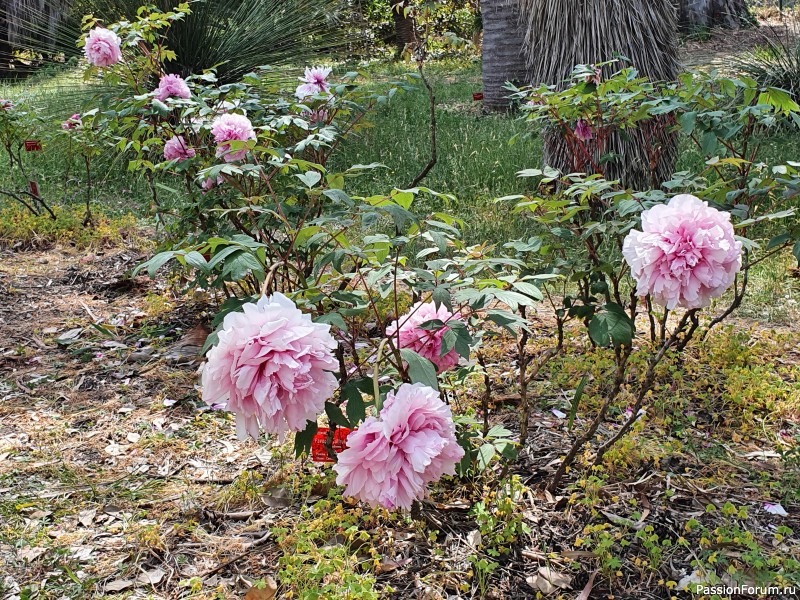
x=560, y=34
x=404, y=29
x=696, y=14
x=503, y=59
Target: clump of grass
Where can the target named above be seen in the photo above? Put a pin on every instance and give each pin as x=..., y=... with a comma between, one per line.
x=776, y=61
x=20, y=229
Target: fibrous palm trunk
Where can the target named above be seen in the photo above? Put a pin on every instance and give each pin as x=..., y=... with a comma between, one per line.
x=503, y=59
x=404, y=29
x=559, y=34
x=33, y=20
x=28, y=24
x=694, y=14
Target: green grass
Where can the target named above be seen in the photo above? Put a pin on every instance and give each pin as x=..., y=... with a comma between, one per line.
x=478, y=154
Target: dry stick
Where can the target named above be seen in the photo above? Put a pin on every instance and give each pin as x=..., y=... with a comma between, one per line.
x=647, y=384
x=523, y=360
x=622, y=356
x=432, y=100
x=248, y=549
x=487, y=393
x=87, y=220
x=737, y=300
x=20, y=200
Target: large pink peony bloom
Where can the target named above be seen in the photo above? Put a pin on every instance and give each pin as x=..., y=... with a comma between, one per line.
x=172, y=86
x=315, y=81
x=426, y=343
x=231, y=127
x=271, y=367
x=102, y=47
x=686, y=254
x=177, y=148
x=391, y=460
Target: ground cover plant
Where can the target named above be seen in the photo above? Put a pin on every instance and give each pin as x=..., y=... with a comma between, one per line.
x=317, y=381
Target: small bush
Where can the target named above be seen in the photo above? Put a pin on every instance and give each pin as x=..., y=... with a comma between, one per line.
x=20, y=229
x=775, y=63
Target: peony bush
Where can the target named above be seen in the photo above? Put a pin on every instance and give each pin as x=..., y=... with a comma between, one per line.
x=365, y=313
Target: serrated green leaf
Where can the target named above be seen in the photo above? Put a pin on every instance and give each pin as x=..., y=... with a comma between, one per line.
x=303, y=439
x=420, y=370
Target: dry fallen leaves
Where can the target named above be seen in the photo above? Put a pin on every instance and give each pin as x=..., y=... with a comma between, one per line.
x=263, y=593
x=548, y=581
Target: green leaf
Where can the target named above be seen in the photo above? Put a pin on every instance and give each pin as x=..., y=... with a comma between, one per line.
x=332, y=318
x=796, y=251
x=442, y=296
x=197, y=260
x=463, y=339
x=155, y=263
x=335, y=415
x=449, y=339
x=352, y=392
x=485, y=455
x=240, y=264
x=613, y=325
x=576, y=400
x=688, y=121
x=528, y=289
x=420, y=369
x=778, y=240
x=709, y=143
x=210, y=342
x=310, y=178
x=303, y=439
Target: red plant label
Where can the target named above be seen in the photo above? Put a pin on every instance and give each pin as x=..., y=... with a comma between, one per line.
x=33, y=146
x=477, y=96
x=33, y=188
x=318, y=451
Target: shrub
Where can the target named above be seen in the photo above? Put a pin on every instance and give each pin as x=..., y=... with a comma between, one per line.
x=19, y=228
x=776, y=62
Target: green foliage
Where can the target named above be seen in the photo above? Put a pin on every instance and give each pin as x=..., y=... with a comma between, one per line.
x=499, y=517
x=235, y=37
x=448, y=26
x=320, y=555
x=20, y=228
x=776, y=62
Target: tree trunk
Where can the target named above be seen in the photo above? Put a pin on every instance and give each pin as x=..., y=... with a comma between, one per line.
x=560, y=34
x=28, y=25
x=503, y=59
x=698, y=14
x=404, y=29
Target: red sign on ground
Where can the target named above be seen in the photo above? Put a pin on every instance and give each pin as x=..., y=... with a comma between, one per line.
x=318, y=451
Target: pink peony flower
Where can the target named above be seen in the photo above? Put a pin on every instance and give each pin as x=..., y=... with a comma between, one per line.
x=271, y=367
x=391, y=460
x=102, y=47
x=6, y=104
x=231, y=127
x=74, y=122
x=315, y=81
x=583, y=131
x=209, y=184
x=686, y=254
x=172, y=86
x=177, y=148
x=596, y=78
x=426, y=343
x=317, y=117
